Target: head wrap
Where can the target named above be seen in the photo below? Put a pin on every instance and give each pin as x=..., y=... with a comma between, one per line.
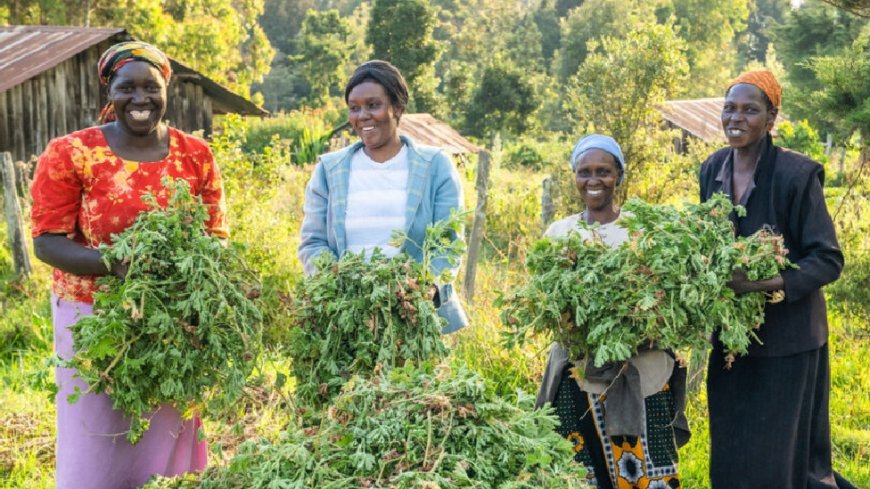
x=765, y=81
x=602, y=142
x=122, y=53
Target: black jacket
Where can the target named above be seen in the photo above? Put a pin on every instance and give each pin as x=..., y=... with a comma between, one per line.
x=788, y=197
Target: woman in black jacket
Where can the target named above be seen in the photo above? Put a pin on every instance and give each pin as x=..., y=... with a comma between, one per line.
x=769, y=421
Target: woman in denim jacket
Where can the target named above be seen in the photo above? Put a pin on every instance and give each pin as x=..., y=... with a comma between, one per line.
x=359, y=194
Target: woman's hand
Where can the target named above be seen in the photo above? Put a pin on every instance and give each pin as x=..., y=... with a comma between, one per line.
x=741, y=284
x=119, y=269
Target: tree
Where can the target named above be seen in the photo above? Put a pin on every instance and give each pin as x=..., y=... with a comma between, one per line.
x=756, y=39
x=323, y=51
x=709, y=28
x=400, y=31
x=590, y=22
x=815, y=30
x=616, y=89
x=502, y=102
x=843, y=99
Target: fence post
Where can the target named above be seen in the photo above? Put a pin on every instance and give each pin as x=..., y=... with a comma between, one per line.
x=12, y=210
x=474, y=241
x=548, y=207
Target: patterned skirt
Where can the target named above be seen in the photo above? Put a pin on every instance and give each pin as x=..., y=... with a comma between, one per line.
x=621, y=462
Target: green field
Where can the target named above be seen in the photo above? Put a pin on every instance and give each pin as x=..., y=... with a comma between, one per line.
x=267, y=220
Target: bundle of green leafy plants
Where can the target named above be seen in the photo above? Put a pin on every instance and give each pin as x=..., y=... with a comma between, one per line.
x=359, y=314
x=411, y=427
x=665, y=286
x=181, y=328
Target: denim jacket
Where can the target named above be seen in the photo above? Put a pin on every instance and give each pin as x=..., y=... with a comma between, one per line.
x=434, y=189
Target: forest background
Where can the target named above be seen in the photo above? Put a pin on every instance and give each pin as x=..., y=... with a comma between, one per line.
x=523, y=78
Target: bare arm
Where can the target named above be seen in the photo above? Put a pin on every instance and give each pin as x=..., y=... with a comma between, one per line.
x=65, y=254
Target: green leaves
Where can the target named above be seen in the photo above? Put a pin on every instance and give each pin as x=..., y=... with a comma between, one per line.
x=416, y=426
x=666, y=285
x=180, y=328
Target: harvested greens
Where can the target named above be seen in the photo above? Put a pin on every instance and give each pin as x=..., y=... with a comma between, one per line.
x=357, y=315
x=666, y=285
x=410, y=427
x=181, y=328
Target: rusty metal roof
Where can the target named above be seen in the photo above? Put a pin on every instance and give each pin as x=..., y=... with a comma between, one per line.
x=425, y=129
x=28, y=50
x=701, y=118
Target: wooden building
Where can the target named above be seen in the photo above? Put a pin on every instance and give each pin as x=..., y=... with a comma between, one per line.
x=49, y=87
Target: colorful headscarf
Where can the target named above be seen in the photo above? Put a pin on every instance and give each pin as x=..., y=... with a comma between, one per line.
x=602, y=142
x=122, y=53
x=765, y=81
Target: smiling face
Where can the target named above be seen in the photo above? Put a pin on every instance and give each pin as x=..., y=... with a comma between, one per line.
x=373, y=117
x=596, y=175
x=138, y=93
x=746, y=116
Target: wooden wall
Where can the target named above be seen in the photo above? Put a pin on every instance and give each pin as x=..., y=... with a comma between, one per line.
x=68, y=97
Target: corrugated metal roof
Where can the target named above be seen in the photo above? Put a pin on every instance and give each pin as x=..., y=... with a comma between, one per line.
x=26, y=51
x=425, y=129
x=701, y=118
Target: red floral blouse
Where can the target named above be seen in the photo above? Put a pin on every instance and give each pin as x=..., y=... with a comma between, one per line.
x=82, y=189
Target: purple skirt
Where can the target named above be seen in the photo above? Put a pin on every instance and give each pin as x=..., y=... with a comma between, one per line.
x=92, y=448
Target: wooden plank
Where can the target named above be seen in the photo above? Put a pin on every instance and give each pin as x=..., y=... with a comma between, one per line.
x=17, y=123
x=27, y=118
x=474, y=241
x=5, y=135
x=70, y=77
x=60, y=97
x=93, y=85
x=43, y=114
x=12, y=209
x=548, y=206
x=208, y=114
x=199, y=120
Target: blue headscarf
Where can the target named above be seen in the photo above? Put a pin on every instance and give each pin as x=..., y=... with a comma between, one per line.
x=602, y=142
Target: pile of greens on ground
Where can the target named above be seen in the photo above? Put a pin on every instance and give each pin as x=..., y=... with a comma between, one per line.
x=181, y=328
x=357, y=315
x=410, y=427
x=666, y=285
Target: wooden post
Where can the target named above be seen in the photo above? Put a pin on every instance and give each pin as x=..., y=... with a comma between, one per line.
x=474, y=241
x=548, y=207
x=695, y=375
x=14, y=229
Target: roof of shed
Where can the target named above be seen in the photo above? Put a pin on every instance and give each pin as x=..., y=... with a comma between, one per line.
x=425, y=129
x=701, y=118
x=28, y=50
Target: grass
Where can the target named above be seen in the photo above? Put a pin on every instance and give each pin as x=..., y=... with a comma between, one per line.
x=266, y=217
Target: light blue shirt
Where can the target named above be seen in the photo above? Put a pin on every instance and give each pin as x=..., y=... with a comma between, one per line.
x=434, y=189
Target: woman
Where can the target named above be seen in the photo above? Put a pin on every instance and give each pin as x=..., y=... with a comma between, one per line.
x=358, y=195
x=769, y=423
x=625, y=420
x=88, y=185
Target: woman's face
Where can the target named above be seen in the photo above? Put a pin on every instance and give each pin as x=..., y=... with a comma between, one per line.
x=372, y=115
x=745, y=116
x=138, y=94
x=596, y=175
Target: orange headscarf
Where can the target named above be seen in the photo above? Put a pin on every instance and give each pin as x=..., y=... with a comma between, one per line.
x=765, y=81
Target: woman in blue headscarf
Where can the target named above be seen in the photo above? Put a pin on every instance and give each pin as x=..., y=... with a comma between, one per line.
x=625, y=420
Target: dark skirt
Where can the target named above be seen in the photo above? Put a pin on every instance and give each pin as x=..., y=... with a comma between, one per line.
x=769, y=424
x=649, y=460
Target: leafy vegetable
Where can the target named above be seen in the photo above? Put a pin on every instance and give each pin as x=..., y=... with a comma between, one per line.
x=411, y=427
x=358, y=315
x=181, y=328
x=666, y=285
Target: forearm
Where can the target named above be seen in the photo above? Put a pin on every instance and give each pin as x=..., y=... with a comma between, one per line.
x=69, y=256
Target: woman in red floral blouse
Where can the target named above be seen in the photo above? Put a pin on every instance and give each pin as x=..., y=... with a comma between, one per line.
x=88, y=186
